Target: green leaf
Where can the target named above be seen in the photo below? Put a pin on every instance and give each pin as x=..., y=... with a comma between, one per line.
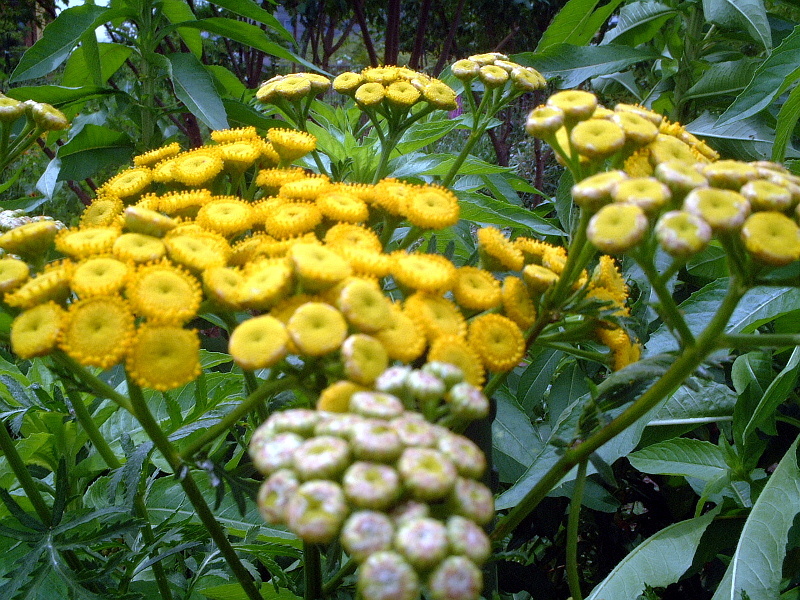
x=751, y=129
x=704, y=398
x=514, y=441
x=251, y=10
x=58, y=95
x=729, y=77
x=764, y=415
x=770, y=80
x=576, y=23
x=638, y=23
x=752, y=369
x=195, y=88
x=786, y=123
x=178, y=11
x=756, y=566
x=112, y=57
x=681, y=456
x=660, y=560
x=479, y=208
x=420, y=135
x=568, y=385
x=748, y=14
x=709, y=264
x=233, y=591
x=91, y=149
x=58, y=40
x=534, y=381
x=759, y=305
x=575, y=64
x=242, y=115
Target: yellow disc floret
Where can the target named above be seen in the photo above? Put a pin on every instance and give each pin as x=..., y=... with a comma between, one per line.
x=164, y=357
x=98, y=331
x=35, y=332
x=164, y=293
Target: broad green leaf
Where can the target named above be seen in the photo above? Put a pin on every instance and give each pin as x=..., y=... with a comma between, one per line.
x=752, y=129
x=764, y=415
x=58, y=95
x=752, y=369
x=251, y=10
x=639, y=22
x=626, y=79
x=576, y=23
x=660, y=560
x=178, y=11
x=515, y=442
x=58, y=40
x=48, y=183
x=770, y=79
x=681, y=456
x=567, y=386
x=195, y=88
x=91, y=149
x=756, y=566
x=703, y=398
x=729, y=77
x=786, y=122
x=748, y=14
x=241, y=115
x=709, y=264
x=420, y=135
x=575, y=64
x=228, y=83
x=534, y=381
x=112, y=57
x=759, y=305
x=483, y=209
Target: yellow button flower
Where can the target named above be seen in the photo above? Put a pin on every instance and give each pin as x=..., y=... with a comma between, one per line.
x=682, y=233
x=98, y=331
x=164, y=357
x=317, y=328
x=35, y=332
x=498, y=341
x=724, y=210
x=258, y=343
x=616, y=228
x=772, y=238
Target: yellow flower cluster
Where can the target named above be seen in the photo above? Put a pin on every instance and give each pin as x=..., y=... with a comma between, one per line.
x=293, y=87
x=671, y=180
x=494, y=70
x=396, y=87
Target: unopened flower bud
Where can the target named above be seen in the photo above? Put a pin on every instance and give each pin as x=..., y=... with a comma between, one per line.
x=616, y=228
x=597, y=138
x=639, y=131
x=467, y=539
x=468, y=459
x=424, y=386
x=10, y=109
x=347, y=83
x=682, y=233
x=376, y=405
x=468, y=402
x=371, y=485
x=729, y=174
x=465, y=69
x=594, y=192
x=297, y=420
x=146, y=221
x=315, y=512
x=527, y=79
x=544, y=121
x=423, y=542
x=364, y=358
x=48, y=117
x=427, y=474
x=766, y=195
x=576, y=104
x=338, y=424
x=323, y=457
x=723, y=210
x=375, y=440
x=393, y=380
x=456, y=578
x=473, y=500
x=273, y=452
x=274, y=494
x=447, y=372
x=366, y=532
x=492, y=76
x=414, y=431
x=647, y=193
x=408, y=511
x=680, y=177
x=772, y=238
x=387, y=576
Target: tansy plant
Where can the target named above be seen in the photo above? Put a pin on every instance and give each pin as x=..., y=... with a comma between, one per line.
x=325, y=303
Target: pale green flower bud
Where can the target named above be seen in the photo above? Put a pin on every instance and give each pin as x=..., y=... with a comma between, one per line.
x=576, y=104
x=527, y=79
x=376, y=405
x=375, y=440
x=467, y=402
x=616, y=228
x=387, y=576
x=647, y=193
x=492, y=76
x=414, y=431
x=297, y=420
x=473, y=500
x=724, y=210
x=465, y=69
x=337, y=424
x=448, y=373
x=682, y=233
x=468, y=459
x=423, y=542
x=47, y=117
x=467, y=539
x=393, y=380
x=544, y=121
x=457, y=578
x=371, y=485
x=316, y=511
x=273, y=452
x=274, y=494
x=10, y=109
x=766, y=195
x=597, y=138
x=323, y=457
x=595, y=192
x=408, y=511
x=427, y=474
x=366, y=532
x=424, y=386
x=680, y=177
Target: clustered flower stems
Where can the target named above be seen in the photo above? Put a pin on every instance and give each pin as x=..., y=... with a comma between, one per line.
x=39, y=118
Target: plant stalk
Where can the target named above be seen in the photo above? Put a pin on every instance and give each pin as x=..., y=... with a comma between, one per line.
x=573, y=577
x=25, y=480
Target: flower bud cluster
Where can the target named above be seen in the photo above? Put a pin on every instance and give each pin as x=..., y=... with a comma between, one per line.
x=392, y=86
x=495, y=70
x=292, y=87
x=400, y=494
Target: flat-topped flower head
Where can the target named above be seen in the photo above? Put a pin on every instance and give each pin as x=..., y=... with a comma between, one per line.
x=423, y=542
x=258, y=343
x=35, y=331
x=517, y=303
x=682, y=233
x=595, y=191
x=102, y=212
x=468, y=539
x=767, y=195
x=291, y=144
x=366, y=532
x=138, y=248
x=240, y=155
x=291, y=219
x=128, y=184
x=723, y=210
x=224, y=136
x=492, y=76
x=402, y=336
x=637, y=109
x=147, y=221
x=307, y=188
x=369, y=485
x=342, y=206
x=387, y=576
x=454, y=349
x=10, y=109
x=680, y=177
x=347, y=83
x=497, y=252
x=364, y=358
x=539, y=278
x=99, y=276
x=149, y=159
x=730, y=174
x=437, y=315
x=164, y=357
x=427, y=474
x=98, y=331
x=47, y=116
x=29, y=240
x=317, y=267
x=772, y=238
x=80, y=243
x=197, y=250
x=476, y=289
x=364, y=305
x=13, y=273
x=274, y=494
x=53, y=285
x=164, y=293
x=527, y=79
x=432, y=207
x=667, y=148
x=402, y=93
x=265, y=283
x=317, y=328
x=316, y=511
x=639, y=130
x=597, y=138
x=616, y=228
x=576, y=105
x=439, y=95
x=370, y=93
x=227, y=216
x=498, y=341
x=647, y=193
x=292, y=88
x=543, y=121
x=465, y=69
x=197, y=167
x=223, y=285
x=425, y=272
x=456, y=578
x=383, y=75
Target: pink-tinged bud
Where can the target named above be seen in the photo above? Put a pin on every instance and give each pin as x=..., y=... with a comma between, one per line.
x=366, y=532
x=375, y=440
x=473, y=500
x=277, y=452
x=371, y=485
x=297, y=420
x=393, y=380
x=427, y=474
x=337, y=424
x=468, y=459
x=424, y=386
x=448, y=373
x=323, y=457
x=414, y=431
x=376, y=405
x=467, y=402
x=423, y=542
x=467, y=539
x=457, y=578
x=387, y=576
x=408, y=511
x=274, y=494
x=315, y=512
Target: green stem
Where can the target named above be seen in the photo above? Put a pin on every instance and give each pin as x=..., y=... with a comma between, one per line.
x=184, y=475
x=579, y=254
x=25, y=480
x=24, y=141
x=744, y=341
x=473, y=138
x=334, y=582
x=100, y=388
x=573, y=577
x=312, y=572
x=684, y=364
x=266, y=389
x=600, y=357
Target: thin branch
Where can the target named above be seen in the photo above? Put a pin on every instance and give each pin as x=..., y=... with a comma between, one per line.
x=358, y=8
